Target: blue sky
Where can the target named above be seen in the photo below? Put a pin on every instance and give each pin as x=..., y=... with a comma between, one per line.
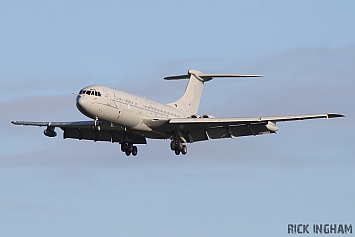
x=247, y=186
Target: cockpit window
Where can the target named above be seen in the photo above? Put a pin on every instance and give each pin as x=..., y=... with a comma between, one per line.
x=90, y=92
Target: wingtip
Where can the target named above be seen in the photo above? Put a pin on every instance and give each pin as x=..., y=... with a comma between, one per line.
x=335, y=115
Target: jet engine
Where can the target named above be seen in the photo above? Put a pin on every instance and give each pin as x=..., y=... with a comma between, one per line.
x=207, y=116
x=203, y=116
x=49, y=132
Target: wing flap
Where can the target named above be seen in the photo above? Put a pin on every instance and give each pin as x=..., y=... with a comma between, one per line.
x=103, y=135
x=197, y=135
x=224, y=132
x=86, y=134
x=248, y=130
x=237, y=131
x=215, y=133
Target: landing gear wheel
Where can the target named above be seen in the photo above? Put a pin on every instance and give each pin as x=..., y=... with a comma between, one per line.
x=134, y=151
x=184, y=150
x=128, y=153
x=179, y=146
x=130, y=147
x=123, y=147
x=172, y=145
x=177, y=152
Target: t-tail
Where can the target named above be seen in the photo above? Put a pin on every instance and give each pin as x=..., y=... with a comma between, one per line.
x=190, y=101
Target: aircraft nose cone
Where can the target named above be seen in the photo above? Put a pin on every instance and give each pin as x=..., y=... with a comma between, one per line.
x=82, y=105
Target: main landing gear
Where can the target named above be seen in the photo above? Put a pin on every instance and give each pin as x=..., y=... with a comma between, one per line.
x=129, y=149
x=178, y=147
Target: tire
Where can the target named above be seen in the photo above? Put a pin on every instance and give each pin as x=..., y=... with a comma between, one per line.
x=130, y=147
x=184, y=150
x=172, y=145
x=128, y=153
x=177, y=152
x=179, y=146
x=123, y=147
x=135, y=151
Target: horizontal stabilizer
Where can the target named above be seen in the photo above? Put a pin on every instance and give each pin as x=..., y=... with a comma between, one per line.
x=206, y=77
x=187, y=76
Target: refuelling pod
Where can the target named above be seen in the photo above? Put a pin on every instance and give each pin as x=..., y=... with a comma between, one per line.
x=49, y=132
x=271, y=127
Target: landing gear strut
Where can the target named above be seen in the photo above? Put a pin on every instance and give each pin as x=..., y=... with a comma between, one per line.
x=96, y=126
x=178, y=147
x=129, y=149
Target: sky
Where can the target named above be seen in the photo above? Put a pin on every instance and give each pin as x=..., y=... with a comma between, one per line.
x=248, y=186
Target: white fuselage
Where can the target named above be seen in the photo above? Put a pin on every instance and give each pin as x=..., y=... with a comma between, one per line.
x=121, y=108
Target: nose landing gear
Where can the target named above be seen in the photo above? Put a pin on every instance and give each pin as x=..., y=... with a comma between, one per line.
x=129, y=149
x=178, y=147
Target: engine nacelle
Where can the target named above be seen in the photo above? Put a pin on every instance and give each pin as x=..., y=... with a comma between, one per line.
x=271, y=127
x=207, y=116
x=49, y=132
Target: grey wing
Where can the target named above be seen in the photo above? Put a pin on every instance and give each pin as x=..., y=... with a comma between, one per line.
x=83, y=130
x=199, y=129
x=81, y=124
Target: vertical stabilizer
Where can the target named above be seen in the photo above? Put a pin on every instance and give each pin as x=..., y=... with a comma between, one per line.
x=189, y=102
